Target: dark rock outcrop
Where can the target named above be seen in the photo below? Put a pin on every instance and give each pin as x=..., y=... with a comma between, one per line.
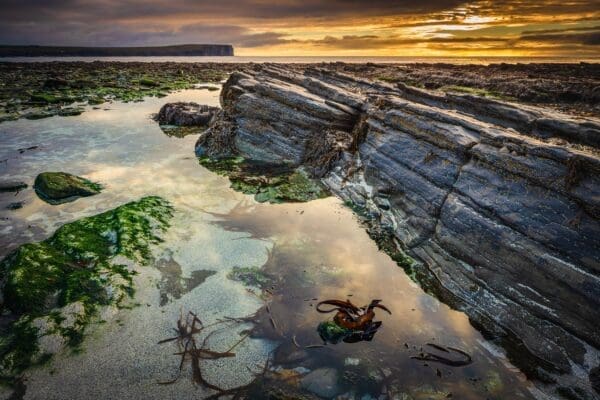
x=498, y=203
x=185, y=114
x=11, y=186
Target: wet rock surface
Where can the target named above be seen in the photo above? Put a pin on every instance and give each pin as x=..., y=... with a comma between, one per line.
x=12, y=186
x=185, y=114
x=58, y=187
x=570, y=87
x=496, y=202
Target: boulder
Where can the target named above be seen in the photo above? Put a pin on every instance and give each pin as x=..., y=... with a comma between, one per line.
x=185, y=114
x=59, y=187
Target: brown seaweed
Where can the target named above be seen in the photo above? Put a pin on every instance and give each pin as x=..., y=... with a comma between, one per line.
x=195, y=350
x=432, y=357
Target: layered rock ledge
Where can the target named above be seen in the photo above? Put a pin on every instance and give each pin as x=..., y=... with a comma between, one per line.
x=498, y=203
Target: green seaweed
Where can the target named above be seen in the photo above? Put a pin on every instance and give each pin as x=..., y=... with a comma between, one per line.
x=271, y=183
x=75, y=265
x=331, y=332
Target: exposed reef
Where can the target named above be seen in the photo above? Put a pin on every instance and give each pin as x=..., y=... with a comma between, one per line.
x=61, y=187
x=496, y=203
x=51, y=289
x=42, y=90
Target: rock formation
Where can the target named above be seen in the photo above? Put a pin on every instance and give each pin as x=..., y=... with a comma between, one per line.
x=185, y=114
x=498, y=203
x=62, y=187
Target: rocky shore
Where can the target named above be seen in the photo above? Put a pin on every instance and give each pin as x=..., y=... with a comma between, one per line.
x=497, y=203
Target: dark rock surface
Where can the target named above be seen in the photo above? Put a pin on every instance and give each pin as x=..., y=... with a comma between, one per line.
x=572, y=86
x=60, y=187
x=12, y=186
x=185, y=114
x=497, y=202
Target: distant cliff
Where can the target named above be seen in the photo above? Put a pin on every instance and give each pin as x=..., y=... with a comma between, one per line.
x=181, y=50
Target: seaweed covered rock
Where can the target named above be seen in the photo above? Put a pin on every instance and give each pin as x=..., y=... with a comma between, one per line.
x=73, y=272
x=60, y=187
x=185, y=114
x=268, y=182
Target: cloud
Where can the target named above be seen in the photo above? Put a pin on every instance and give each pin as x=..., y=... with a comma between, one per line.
x=587, y=38
x=367, y=26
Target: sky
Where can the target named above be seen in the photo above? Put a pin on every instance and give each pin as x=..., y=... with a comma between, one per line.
x=438, y=28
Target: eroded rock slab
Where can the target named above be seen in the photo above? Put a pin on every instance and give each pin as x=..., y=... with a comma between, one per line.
x=497, y=203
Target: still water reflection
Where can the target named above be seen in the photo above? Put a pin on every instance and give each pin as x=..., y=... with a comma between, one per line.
x=305, y=253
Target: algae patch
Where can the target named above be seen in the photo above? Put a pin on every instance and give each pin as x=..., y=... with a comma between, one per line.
x=52, y=288
x=273, y=183
x=250, y=276
x=61, y=187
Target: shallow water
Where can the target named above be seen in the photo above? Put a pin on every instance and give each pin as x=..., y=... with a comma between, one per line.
x=316, y=250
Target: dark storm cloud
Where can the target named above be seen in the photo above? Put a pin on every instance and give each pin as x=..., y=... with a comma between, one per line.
x=587, y=38
x=133, y=22
x=37, y=10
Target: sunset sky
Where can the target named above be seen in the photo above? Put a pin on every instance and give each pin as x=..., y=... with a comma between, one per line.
x=311, y=27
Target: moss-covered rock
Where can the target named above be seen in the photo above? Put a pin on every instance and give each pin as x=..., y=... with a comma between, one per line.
x=273, y=183
x=58, y=187
x=74, y=266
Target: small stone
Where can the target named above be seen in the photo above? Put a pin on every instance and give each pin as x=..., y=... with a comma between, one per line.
x=15, y=206
x=322, y=382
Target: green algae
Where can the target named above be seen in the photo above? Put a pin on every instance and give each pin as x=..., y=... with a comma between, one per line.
x=332, y=333
x=74, y=266
x=56, y=187
x=250, y=276
x=273, y=183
